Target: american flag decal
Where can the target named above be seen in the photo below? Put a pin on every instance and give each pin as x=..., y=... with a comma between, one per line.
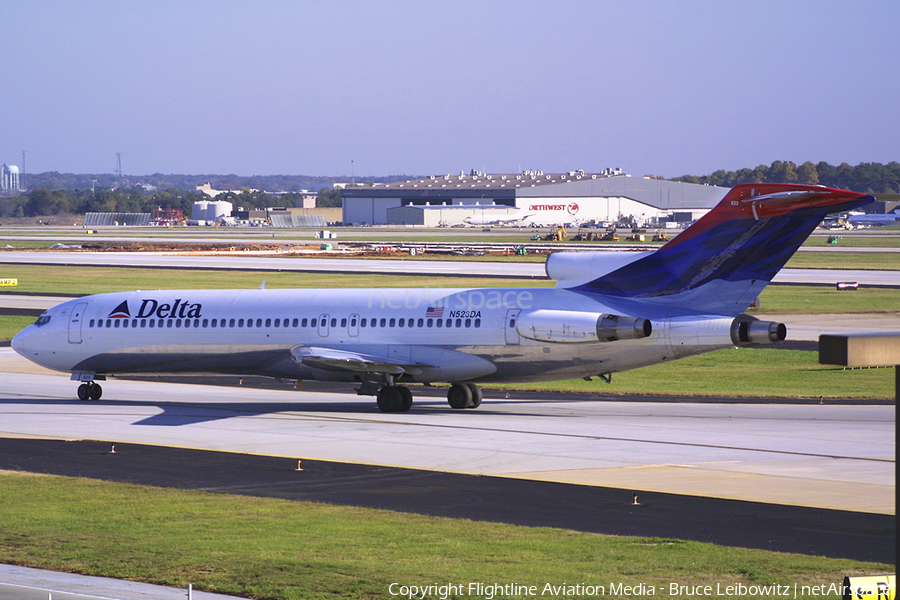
x=434, y=311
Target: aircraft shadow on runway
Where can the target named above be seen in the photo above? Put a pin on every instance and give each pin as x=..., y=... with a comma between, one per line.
x=177, y=413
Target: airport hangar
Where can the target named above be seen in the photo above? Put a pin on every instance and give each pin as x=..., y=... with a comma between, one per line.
x=550, y=199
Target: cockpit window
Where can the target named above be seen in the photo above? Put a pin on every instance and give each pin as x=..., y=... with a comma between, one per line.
x=42, y=320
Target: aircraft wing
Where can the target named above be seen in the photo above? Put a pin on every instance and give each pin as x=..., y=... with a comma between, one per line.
x=331, y=359
x=431, y=363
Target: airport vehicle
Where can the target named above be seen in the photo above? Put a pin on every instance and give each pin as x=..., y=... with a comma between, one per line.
x=857, y=219
x=609, y=312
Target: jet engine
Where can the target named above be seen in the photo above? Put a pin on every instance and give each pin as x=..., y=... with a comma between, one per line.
x=567, y=326
x=749, y=331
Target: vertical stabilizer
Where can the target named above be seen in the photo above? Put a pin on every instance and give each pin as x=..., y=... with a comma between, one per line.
x=723, y=261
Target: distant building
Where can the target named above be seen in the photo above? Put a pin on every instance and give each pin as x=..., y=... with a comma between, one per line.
x=207, y=189
x=547, y=198
x=9, y=180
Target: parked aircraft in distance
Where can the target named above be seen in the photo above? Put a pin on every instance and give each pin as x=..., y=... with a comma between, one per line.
x=609, y=312
x=857, y=219
x=494, y=219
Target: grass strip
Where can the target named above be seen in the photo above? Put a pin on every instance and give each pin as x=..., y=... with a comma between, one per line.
x=737, y=373
x=281, y=550
x=810, y=299
x=61, y=279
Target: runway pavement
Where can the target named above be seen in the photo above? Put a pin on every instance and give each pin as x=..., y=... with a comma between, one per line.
x=22, y=583
x=798, y=478
x=834, y=457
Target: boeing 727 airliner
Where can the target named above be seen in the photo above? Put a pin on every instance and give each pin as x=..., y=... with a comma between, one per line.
x=609, y=312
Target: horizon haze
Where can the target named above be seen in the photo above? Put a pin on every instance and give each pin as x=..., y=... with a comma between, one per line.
x=364, y=89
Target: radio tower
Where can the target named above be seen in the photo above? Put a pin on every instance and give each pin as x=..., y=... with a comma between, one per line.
x=118, y=169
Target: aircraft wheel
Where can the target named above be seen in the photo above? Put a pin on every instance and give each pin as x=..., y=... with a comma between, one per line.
x=407, y=398
x=390, y=399
x=96, y=391
x=84, y=392
x=459, y=396
x=477, y=395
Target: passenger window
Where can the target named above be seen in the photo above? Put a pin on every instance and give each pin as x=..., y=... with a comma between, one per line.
x=91, y=324
x=383, y=321
x=333, y=322
x=240, y=322
x=392, y=322
x=178, y=322
x=295, y=322
x=109, y=323
x=152, y=323
x=438, y=322
x=401, y=322
x=421, y=322
x=169, y=323
x=459, y=322
x=117, y=323
x=268, y=323
x=259, y=322
x=429, y=322
x=344, y=322
x=468, y=322
x=477, y=322
x=353, y=322
x=362, y=322
x=278, y=322
x=144, y=323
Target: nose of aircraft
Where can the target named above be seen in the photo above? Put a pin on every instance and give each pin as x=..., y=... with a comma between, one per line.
x=18, y=342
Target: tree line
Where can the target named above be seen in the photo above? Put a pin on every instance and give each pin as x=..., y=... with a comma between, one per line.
x=42, y=202
x=55, y=193
x=870, y=178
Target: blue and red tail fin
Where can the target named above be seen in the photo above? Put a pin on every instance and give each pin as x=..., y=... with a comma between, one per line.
x=722, y=262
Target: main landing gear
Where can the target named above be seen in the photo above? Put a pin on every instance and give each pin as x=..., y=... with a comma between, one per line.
x=394, y=398
x=464, y=395
x=398, y=398
x=89, y=391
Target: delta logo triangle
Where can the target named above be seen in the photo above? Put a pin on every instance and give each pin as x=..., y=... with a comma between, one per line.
x=120, y=312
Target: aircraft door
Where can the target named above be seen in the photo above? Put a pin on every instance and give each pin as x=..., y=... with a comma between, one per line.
x=75, y=320
x=323, y=325
x=509, y=326
x=353, y=326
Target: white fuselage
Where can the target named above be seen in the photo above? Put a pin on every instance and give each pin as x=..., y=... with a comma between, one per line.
x=268, y=332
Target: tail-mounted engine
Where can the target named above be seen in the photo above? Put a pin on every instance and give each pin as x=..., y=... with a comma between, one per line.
x=567, y=326
x=749, y=331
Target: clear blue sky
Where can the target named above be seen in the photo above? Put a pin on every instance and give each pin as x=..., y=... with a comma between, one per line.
x=424, y=87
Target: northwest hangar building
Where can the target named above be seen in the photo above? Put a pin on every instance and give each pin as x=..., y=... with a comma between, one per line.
x=547, y=199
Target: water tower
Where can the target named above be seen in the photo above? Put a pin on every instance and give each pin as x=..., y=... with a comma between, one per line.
x=9, y=179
